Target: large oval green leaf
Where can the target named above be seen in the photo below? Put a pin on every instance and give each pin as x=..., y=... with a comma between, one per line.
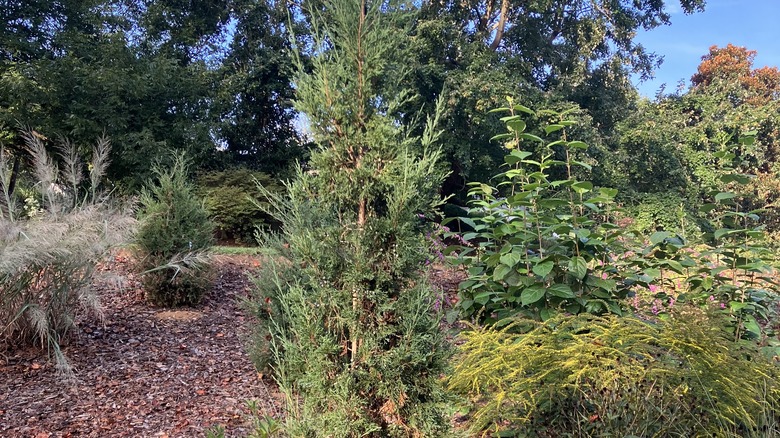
x=532, y=294
x=578, y=267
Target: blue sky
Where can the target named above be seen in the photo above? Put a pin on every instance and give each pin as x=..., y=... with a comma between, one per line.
x=754, y=24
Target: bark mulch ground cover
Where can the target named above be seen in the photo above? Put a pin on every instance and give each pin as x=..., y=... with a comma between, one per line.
x=143, y=371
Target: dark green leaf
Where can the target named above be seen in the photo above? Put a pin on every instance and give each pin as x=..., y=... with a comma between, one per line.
x=505, y=136
x=552, y=128
x=560, y=290
x=526, y=136
x=738, y=177
x=722, y=196
x=483, y=297
x=578, y=267
x=531, y=294
x=542, y=269
x=516, y=125
x=501, y=271
x=582, y=186
x=659, y=236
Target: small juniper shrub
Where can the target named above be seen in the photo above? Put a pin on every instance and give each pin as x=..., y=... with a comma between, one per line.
x=48, y=262
x=273, y=274
x=173, y=239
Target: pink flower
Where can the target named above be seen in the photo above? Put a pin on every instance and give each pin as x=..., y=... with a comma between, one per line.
x=712, y=298
x=722, y=305
x=658, y=305
x=604, y=276
x=653, y=288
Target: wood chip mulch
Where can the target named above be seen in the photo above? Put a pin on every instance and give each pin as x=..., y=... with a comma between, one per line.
x=143, y=371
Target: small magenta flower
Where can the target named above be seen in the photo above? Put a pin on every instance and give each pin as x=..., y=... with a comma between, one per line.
x=711, y=298
x=657, y=306
x=672, y=301
x=653, y=288
x=722, y=305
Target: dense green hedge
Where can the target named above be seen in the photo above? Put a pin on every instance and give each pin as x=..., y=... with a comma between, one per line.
x=232, y=201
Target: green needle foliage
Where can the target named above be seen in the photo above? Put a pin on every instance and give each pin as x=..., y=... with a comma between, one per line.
x=357, y=347
x=612, y=376
x=174, y=234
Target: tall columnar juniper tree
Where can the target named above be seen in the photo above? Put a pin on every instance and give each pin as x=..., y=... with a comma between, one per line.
x=356, y=345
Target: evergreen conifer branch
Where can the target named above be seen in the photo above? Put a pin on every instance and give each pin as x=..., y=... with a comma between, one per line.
x=355, y=341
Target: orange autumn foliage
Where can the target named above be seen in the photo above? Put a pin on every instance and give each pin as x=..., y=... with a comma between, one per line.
x=736, y=63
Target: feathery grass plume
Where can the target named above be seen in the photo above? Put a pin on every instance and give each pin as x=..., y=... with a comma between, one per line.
x=44, y=168
x=72, y=167
x=47, y=266
x=594, y=376
x=101, y=159
x=188, y=263
x=47, y=269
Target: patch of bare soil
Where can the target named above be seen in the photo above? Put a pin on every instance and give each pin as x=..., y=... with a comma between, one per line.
x=143, y=371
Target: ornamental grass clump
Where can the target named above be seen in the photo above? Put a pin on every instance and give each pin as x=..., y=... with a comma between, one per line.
x=590, y=376
x=174, y=236
x=355, y=344
x=48, y=263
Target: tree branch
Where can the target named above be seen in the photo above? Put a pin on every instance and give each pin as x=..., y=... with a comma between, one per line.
x=501, y=25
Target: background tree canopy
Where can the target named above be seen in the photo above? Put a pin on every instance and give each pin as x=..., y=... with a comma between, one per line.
x=215, y=80
x=153, y=76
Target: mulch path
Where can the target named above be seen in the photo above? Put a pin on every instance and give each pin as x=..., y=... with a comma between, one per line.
x=143, y=371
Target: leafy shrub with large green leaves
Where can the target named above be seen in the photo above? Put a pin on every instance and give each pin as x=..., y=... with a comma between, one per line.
x=736, y=267
x=541, y=245
x=174, y=234
x=233, y=202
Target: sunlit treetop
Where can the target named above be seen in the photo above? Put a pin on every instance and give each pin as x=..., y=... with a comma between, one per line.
x=734, y=63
